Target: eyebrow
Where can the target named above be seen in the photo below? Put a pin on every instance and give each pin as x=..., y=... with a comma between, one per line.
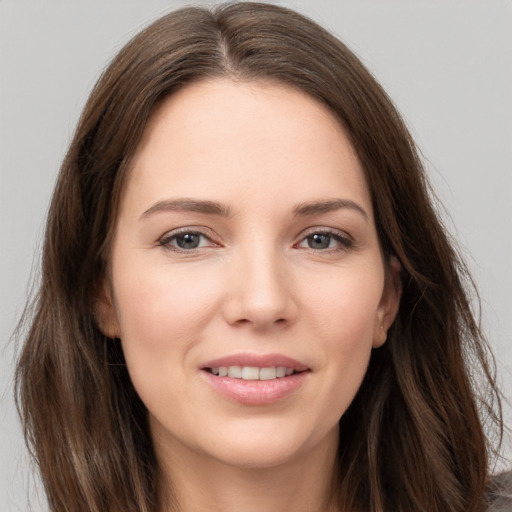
x=330, y=205
x=214, y=208
x=188, y=205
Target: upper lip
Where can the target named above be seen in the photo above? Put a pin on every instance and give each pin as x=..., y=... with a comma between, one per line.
x=256, y=360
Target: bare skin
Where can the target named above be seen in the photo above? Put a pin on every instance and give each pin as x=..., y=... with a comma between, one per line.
x=246, y=235
x=302, y=485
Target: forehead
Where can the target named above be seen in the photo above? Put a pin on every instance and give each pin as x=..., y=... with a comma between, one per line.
x=246, y=140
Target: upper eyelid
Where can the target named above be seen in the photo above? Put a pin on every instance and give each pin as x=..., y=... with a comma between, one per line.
x=327, y=230
x=199, y=230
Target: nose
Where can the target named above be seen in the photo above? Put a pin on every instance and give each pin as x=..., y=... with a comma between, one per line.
x=260, y=291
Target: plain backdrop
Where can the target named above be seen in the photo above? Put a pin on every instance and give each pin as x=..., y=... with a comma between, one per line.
x=446, y=64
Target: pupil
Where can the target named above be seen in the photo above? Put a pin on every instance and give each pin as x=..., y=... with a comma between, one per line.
x=319, y=241
x=188, y=241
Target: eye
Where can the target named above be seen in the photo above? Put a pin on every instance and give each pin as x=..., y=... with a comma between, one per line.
x=186, y=240
x=322, y=240
x=319, y=241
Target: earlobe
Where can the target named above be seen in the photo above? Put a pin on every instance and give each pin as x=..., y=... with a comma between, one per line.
x=390, y=303
x=105, y=313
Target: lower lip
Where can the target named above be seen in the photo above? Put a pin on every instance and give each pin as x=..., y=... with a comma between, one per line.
x=256, y=392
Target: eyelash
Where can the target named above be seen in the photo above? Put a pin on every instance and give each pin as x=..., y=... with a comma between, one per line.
x=167, y=240
x=344, y=241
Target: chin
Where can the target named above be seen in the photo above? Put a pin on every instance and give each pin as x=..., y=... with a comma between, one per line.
x=255, y=455
x=268, y=445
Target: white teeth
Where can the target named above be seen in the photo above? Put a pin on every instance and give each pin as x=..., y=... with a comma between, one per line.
x=280, y=371
x=235, y=372
x=252, y=372
x=268, y=373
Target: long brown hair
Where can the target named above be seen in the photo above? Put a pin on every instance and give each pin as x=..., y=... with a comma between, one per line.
x=412, y=440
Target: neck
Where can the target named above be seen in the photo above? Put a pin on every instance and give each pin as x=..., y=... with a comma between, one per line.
x=199, y=483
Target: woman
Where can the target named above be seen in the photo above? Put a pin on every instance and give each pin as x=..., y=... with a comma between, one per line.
x=247, y=299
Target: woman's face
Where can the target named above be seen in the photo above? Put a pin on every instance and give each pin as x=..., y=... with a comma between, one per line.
x=246, y=245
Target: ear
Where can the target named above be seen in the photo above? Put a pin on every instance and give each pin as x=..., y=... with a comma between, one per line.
x=105, y=312
x=389, y=303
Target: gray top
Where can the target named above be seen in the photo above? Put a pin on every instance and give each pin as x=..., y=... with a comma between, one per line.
x=500, y=493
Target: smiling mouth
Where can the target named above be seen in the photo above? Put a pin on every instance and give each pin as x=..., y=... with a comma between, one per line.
x=252, y=372
x=251, y=379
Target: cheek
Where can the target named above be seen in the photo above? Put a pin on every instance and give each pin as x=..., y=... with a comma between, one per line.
x=163, y=300
x=346, y=306
x=161, y=313
x=345, y=317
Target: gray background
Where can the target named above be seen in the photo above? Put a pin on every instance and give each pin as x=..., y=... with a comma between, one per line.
x=447, y=65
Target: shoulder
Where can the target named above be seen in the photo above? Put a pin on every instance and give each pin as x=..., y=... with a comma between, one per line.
x=499, y=493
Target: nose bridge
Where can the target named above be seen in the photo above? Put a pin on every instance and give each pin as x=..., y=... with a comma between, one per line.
x=260, y=287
